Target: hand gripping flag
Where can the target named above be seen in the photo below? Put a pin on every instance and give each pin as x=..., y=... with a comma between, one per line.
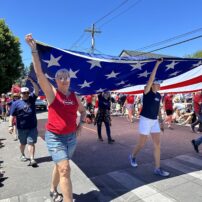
x=93, y=73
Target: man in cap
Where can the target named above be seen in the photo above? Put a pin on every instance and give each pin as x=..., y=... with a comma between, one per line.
x=25, y=113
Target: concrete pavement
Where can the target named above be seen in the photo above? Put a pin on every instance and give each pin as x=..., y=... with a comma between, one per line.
x=22, y=183
x=101, y=172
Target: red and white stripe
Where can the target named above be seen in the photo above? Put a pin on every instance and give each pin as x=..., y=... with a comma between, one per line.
x=190, y=81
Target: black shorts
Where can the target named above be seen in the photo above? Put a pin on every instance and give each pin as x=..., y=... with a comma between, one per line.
x=169, y=112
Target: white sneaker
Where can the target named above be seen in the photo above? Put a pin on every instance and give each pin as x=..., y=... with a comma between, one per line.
x=132, y=160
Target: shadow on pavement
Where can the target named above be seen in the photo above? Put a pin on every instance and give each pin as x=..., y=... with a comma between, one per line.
x=2, y=179
x=1, y=143
x=43, y=159
x=90, y=196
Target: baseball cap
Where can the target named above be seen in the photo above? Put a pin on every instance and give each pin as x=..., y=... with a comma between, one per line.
x=24, y=89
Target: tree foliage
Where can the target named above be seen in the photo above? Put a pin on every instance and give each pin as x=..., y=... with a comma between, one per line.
x=197, y=54
x=24, y=75
x=11, y=66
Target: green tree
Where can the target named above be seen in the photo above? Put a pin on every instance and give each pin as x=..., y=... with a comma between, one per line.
x=11, y=66
x=197, y=54
x=24, y=74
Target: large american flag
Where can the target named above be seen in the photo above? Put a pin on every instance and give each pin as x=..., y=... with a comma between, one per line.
x=93, y=73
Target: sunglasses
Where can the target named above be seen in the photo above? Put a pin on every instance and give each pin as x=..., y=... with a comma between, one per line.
x=63, y=78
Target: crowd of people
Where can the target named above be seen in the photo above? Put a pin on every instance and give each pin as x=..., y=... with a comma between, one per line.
x=151, y=108
x=179, y=109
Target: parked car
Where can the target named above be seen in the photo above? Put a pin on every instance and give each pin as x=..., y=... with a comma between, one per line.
x=41, y=104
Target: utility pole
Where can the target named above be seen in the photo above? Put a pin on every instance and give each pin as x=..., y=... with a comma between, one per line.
x=92, y=31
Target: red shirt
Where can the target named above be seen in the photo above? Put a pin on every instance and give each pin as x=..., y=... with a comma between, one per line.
x=197, y=98
x=62, y=114
x=168, y=103
x=117, y=98
x=130, y=99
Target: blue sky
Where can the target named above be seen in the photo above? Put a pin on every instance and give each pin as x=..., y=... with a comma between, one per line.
x=60, y=23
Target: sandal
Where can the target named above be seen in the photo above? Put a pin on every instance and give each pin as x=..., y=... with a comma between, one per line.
x=56, y=196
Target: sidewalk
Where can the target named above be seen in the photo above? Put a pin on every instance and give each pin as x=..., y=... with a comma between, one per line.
x=22, y=183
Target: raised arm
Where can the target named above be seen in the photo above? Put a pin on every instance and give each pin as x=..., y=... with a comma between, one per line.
x=152, y=76
x=36, y=88
x=46, y=86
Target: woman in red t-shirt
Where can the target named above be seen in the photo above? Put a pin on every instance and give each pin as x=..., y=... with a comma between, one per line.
x=129, y=104
x=168, y=107
x=61, y=127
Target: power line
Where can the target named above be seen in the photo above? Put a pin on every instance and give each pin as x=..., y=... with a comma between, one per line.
x=99, y=51
x=74, y=44
x=124, y=11
x=99, y=20
x=175, y=44
x=110, y=12
x=93, y=30
x=83, y=41
x=170, y=39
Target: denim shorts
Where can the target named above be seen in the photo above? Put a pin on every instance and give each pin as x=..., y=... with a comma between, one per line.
x=60, y=147
x=28, y=136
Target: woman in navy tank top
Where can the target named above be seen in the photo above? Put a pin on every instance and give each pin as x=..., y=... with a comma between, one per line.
x=149, y=124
